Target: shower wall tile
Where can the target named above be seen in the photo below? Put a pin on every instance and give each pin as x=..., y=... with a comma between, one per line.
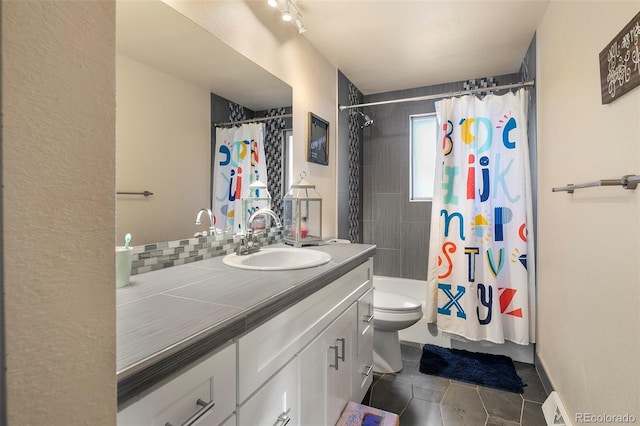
x=387, y=179
x=387, y=262
x=343, y=219
x=415, y=250
x=386, y=225
x=367, y=232
x=389, y=150
x=368, y=146
x=367, y=192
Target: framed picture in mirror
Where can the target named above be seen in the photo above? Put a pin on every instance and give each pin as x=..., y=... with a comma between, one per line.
x=318, y=150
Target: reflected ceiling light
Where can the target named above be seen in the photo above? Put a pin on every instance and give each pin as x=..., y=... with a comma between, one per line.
x=272, y=3
x=286, y=16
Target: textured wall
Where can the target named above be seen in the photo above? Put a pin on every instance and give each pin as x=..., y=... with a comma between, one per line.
x=58, y=95
x=588, y=242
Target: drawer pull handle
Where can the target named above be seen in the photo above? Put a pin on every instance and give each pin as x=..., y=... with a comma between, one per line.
x=368, y=371
x=368, y=318
x=284, y=419
x=335, y=349
x=206, y=407
x=342, y=341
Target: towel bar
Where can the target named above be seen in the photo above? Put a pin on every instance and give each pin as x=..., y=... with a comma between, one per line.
x=145, y=193
x=626, y=181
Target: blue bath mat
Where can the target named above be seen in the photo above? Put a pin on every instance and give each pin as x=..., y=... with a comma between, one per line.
x=492, y=371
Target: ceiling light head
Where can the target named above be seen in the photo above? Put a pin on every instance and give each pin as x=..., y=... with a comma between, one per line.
x=300, y=25
x=272, y=3
x=286, y=16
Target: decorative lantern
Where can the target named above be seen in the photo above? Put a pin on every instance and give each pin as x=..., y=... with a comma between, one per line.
x=302, y=214
x=255, y=198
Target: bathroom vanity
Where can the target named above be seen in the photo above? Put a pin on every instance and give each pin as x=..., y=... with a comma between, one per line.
x=209, y=344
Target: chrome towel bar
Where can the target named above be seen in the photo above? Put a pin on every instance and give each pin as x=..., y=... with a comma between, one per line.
x=626, y=181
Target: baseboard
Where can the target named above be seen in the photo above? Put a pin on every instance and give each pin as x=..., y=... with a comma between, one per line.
x=544, y=377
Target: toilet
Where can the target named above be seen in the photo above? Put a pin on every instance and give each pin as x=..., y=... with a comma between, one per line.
x=391, y=313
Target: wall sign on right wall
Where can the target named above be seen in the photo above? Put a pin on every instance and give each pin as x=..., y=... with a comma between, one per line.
x=620, y=62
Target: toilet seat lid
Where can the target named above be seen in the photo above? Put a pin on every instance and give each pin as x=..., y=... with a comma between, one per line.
x=394, y=302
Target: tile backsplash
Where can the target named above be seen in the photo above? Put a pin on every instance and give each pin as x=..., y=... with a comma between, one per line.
x=151, y=257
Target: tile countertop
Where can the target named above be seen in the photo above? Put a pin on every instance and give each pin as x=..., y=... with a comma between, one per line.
x=169, y=318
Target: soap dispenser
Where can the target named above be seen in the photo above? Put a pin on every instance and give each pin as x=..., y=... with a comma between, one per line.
x=302, y=214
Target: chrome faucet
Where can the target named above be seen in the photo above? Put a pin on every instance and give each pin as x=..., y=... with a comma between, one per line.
x=268, y=212
x=212, y=229
x=249, y=242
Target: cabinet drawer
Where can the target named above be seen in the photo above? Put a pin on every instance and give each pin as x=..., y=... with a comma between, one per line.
x=266, y=349
x=206, y=389
x=275, y=404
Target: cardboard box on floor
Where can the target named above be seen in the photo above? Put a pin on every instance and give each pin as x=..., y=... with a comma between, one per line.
x=355, y=414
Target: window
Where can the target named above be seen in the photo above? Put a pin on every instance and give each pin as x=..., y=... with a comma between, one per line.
x=423, y=156
x=287, y=161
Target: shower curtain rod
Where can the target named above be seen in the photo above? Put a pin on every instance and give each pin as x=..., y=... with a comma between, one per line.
x=443, y=95
x=251, y=120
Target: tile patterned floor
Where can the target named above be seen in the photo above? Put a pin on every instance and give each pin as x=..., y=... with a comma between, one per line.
x=424, y=400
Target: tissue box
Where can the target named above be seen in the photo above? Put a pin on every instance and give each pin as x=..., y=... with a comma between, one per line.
x=362, y=415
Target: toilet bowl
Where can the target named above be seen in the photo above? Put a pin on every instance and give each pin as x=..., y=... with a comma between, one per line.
x=391, y=313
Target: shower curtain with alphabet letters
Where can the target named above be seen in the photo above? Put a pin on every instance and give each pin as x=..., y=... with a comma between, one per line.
x=239, y=161
x=481, y=282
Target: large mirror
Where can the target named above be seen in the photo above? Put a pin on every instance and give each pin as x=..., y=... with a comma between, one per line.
x=168, y=72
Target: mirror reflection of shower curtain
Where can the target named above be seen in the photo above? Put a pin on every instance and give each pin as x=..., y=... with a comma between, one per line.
x=239, y=161
x=481, y=282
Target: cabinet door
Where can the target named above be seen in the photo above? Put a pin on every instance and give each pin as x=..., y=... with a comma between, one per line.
x=363, y=358
x=276, y=403
x=340, y=356
x=313, y=382
x=325, y=371
x=203, y=394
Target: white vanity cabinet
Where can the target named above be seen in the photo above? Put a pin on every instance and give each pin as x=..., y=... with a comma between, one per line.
x=299, y=368
x=318, y=339
x=205, y=395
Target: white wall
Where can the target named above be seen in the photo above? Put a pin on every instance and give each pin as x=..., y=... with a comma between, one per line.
x=588, y=242
x=163, y=134
x=254, y=30
x=58, y=172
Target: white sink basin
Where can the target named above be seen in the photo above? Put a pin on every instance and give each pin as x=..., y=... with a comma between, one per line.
x=278, y=259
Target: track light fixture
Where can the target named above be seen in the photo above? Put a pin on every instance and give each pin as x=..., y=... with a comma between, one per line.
x=286, y=14
x=300, y=25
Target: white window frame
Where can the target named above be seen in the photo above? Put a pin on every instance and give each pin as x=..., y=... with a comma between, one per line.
x=411, y=149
